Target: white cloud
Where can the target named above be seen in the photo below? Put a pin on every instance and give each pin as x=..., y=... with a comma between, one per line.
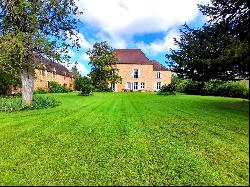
x=81, y=68
x=85, y=57
x=82, y=40
x=160, y=45
x=129, y=17
x=71, y=53
x=118, y=21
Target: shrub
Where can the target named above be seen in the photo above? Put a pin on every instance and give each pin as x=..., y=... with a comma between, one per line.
x=55, y=87
x=85, y=86
x=193, y=87
x=168, y=88
x=12, y=104
x=40, y=91
x=78, y=82
x=233, y=89
x=44, y=102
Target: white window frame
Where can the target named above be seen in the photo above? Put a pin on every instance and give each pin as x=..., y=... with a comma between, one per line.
x=142, y=85
x=113, y=87
x=135, y=86
x=158, y=75
x=134, y=71
x=129, y=85
x=158, y=85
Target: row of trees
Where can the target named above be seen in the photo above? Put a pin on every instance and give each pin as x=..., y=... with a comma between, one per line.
x=218, y=50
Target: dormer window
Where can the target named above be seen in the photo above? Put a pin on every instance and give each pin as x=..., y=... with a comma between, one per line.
x=136, y=73
x=158, y=75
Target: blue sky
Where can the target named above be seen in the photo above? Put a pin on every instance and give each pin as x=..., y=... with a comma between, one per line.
x=149, y=25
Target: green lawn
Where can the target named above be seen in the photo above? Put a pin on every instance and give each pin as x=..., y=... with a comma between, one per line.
x=127, y=139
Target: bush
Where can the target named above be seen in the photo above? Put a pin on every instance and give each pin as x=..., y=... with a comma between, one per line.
x=40, y=91
x=168, y=88
x=78, y=82
x=85, y=86
x=212, y=87
x=55, y=87
x=226, y=88
x=44, y=102
x=12, y=104
x=193, y=87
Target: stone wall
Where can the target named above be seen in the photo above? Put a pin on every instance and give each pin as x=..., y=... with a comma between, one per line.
x=146, y=75
x=42, y=79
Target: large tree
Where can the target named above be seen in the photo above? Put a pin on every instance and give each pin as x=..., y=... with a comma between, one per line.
x=103, y=61
x=218, y=50
x=35, y=29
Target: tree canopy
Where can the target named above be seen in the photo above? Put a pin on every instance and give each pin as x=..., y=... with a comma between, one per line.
x=36, y=28
x=103, y=66
x=218, y=50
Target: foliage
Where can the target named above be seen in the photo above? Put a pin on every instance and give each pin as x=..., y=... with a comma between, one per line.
x=85, y=86
x=169, y=89
x=55, y=87
x=103, y=66
x=227, y=89
x=75, y=71
x=128, y=139
x=40, y=91
x=234, y=12
x=212, y=87
x=36, y=29
x=13, y=104
x=78, y=82
x=218, y=50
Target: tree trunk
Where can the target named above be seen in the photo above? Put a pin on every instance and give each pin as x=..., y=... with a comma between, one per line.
x=27, y=78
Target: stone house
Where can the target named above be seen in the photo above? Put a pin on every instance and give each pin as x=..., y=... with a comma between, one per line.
x=48, y=71
x=138, y=73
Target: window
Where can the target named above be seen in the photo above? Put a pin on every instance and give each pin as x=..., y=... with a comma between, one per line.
x=54, y=74
x=158, y=86
x=113, y=72
x=158, y=75
x=113, y=87
x=136, y=73
x=129, y=86
x=142, y=85
x=135, y=85
x=42, y=73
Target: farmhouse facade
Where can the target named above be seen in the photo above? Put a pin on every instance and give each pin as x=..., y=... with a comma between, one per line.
x=48, y=71
x=138, y=73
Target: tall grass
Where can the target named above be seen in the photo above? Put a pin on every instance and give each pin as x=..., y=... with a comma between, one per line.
x=12, y=104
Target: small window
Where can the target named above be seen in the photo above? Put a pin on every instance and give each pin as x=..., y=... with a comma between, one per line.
x=136, y=73
x=113, y=72
x=158, y=75
x=129, y=85
x=54, y=74
x=42, y=73
x=142, y=85
x=113, y=87
x=158, y=86
x=135, y=85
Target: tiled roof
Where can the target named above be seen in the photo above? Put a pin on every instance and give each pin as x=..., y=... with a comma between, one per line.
x=52, y=67
x=158, y=66
x=131, y=56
